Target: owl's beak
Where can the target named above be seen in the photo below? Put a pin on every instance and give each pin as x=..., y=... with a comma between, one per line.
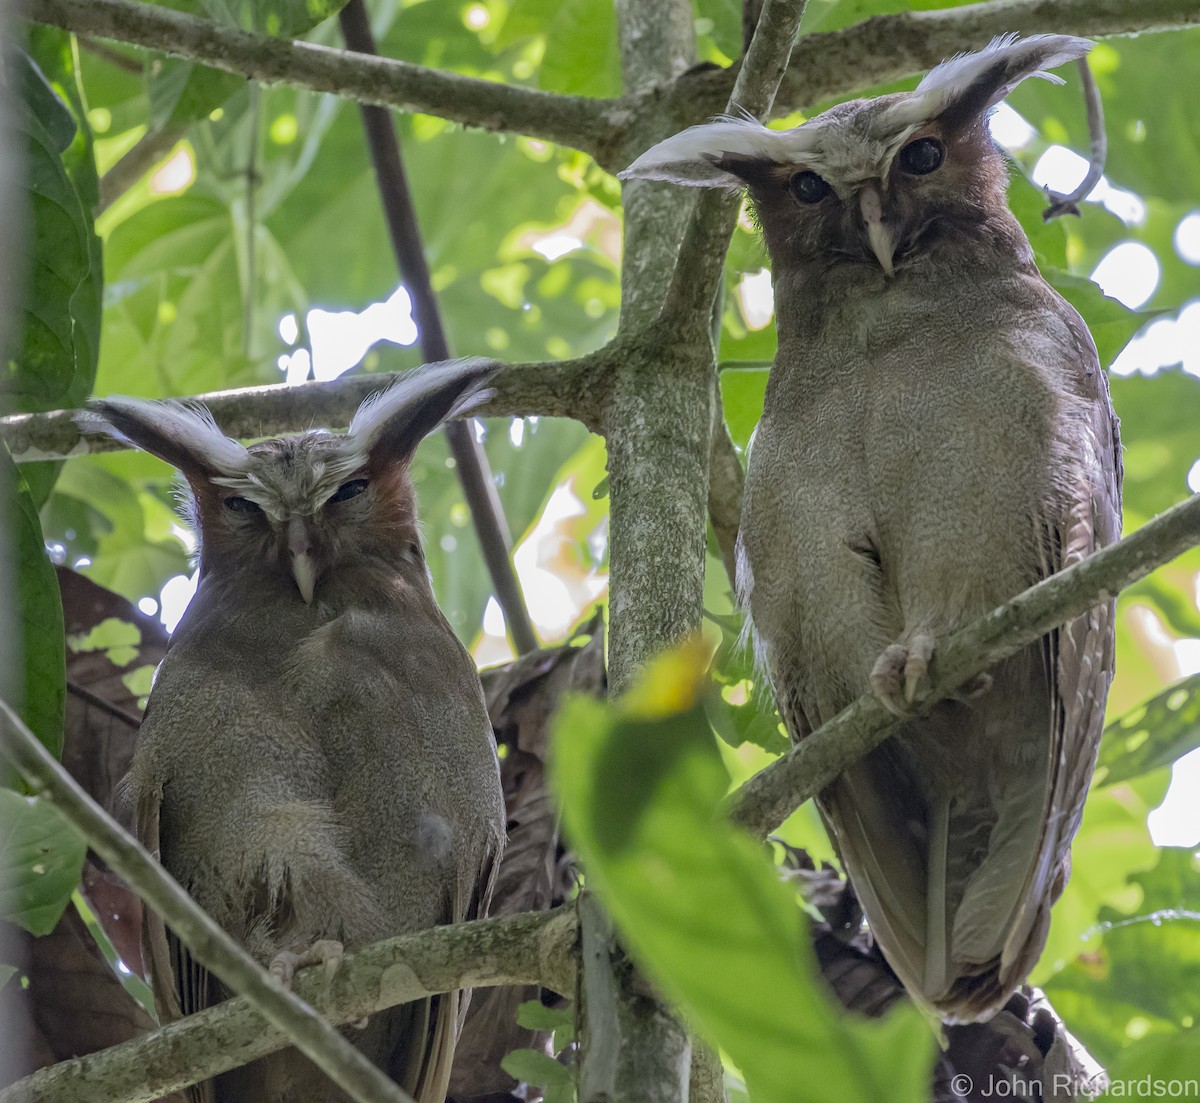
x=880, y=236
x=304, y=568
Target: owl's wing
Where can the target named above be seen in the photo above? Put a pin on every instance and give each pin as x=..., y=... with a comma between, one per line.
x=175, y=977
x=434, y=1024
x=1084, y=515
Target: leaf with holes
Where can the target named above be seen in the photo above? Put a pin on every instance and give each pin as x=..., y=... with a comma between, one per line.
x=1155, y=734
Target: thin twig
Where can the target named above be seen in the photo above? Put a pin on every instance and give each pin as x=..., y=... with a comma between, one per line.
x=773, y=794
x=1069, y=204
x=471, y=463
x=149, y=150
x=208, y=943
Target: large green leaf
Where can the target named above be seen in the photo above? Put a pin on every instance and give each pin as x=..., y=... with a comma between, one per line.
x=1141, y=977
x=41, y=855
x=640, y=785
x=1157, y=1067
x=181, y=92
x=34, y=641
x=1153, y=735
x=53, y=361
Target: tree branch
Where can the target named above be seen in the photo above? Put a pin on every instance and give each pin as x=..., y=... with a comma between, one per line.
x=209, y=944
x=531, y=948
x=824, y=66
x=836, y=64
x=768, y=798
x=568, y=388
x=567, y=120
x=150, y=149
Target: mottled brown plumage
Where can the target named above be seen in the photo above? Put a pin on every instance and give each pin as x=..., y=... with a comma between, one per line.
x=316, y=761
x=937, y=436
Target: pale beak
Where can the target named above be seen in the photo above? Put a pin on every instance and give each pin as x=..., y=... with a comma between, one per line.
x=304, y=568
x=880, y=236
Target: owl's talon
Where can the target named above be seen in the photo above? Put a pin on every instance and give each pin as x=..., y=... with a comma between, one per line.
x=900, y=673
x=326, y=952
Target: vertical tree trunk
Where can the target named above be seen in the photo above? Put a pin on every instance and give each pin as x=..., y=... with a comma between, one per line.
x=657, y=426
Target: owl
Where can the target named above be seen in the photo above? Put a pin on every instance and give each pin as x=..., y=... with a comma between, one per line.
x=316, y=765
x=936, y=437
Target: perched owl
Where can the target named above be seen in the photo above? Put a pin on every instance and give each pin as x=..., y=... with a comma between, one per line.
x=937, y=436
x=316, y=764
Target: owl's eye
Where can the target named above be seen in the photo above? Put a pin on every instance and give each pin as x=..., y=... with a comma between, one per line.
x=808, y=187
x=349, y=490
x=922, y=157
x=241, y=505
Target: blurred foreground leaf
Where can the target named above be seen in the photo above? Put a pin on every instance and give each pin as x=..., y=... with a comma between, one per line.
x=701, y=907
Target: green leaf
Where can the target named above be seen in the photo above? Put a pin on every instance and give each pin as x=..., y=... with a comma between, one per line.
x=1138, y=979
x=1112, y=324
x=742, y=394
x=1157, y=1067
x=53, y=362
x=560, y=1021
x=181, y=92
x=543, y=1071
x=580, y=54
x=641, y=784
x=1153, y=735
x=39, y=634
x=41, y=856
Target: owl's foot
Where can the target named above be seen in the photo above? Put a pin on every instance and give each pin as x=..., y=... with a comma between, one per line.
x=899, y=672
x=326, y=952
x=977, y=687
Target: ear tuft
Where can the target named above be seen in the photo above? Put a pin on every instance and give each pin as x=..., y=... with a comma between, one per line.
x=186, y=436
x=968, y=85
x=721, y=154
x=389, y=425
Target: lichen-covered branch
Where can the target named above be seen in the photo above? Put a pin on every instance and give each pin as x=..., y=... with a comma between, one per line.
x=568, y=120
x=768, y=798
x=533, y=948
x=824, y=66
x=569, y=388
x=208, y=943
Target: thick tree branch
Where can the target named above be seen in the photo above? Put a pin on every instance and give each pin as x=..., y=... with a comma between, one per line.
x=824, y=66
x=209, y=944
x=769, y=797
x=887, y=48
x=569, y=388
x=567, y=120
x=532, y=948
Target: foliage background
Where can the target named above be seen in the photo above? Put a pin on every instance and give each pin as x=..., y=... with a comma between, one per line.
x=261, y=204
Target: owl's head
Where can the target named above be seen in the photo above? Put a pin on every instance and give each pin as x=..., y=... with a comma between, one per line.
x=305, y=505
x=877, y=181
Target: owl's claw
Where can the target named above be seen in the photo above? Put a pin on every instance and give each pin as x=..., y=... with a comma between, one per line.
x=900, y=672
x=326, y=952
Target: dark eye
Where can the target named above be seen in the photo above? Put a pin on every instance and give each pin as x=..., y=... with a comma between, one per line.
x=241, y=505
x=808, y=187
x=922, y=157
x=349, y=490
